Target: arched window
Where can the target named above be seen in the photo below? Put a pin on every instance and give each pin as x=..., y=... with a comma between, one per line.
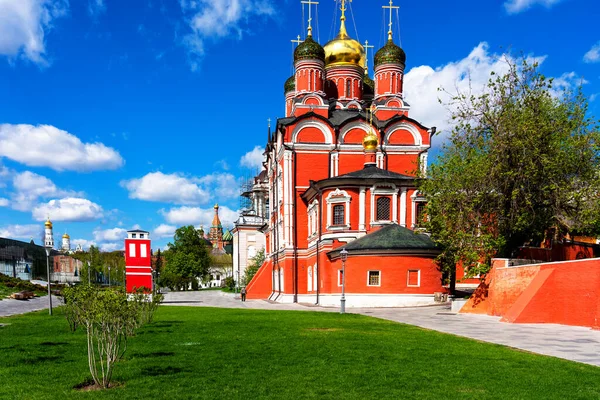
x=348, y=88
x=383, y=209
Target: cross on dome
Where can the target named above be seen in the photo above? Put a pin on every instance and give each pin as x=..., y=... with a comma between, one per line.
x=390, y=7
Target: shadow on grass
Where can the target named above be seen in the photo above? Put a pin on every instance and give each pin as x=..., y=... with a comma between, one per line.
x=158, y=371
x=53, y=343
x=155, y=354
x=39, y=359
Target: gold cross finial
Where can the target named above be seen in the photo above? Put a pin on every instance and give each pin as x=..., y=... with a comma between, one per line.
x=297, y=41
x=367, y=46
x=310, y=3
x=391, y=7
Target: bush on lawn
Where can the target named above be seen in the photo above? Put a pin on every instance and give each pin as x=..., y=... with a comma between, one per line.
x=108, y=318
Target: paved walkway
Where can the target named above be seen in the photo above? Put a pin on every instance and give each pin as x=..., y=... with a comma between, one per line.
x=10, y=307
x=569, y=342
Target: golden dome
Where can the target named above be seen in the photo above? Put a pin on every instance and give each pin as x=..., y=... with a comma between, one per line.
x=370, y=141
x=48, y=224
x=66, y=236
x=343, y=50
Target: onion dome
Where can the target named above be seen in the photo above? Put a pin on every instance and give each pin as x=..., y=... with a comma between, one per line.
x=309, y=50
x=390, y=54
x=290, y=84
x=66, y=236
x=48, y=224
x=370, y=141
x=344, y=50
x=227, y=236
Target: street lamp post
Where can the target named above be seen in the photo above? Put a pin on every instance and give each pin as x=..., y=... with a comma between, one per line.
x=48, y=246
x=48, y=249
x=344, y=257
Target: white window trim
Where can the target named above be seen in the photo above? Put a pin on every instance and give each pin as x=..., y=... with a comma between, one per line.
x=368, y=280
x=132, y=250
x=143, y=250
x=338, y=197
x=418, y=271
x=390, y=190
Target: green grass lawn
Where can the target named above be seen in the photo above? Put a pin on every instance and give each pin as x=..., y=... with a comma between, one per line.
x=189, y=353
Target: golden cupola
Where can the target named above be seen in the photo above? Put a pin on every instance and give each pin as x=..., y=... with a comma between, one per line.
x=370, y=140
x=48, y=224
x=343, y=50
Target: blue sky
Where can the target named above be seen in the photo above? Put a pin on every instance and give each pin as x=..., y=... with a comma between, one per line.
x=144, y=113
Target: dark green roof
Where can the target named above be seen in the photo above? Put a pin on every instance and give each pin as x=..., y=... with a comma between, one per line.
x=392, y=239
x=290, y=84
x=227, y=236
x=390, y=54
x=309, y=50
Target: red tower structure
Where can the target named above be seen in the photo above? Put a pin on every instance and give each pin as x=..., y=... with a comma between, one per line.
x=138, y=261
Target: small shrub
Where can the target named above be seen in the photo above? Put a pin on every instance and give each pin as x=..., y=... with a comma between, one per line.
x=109, y=318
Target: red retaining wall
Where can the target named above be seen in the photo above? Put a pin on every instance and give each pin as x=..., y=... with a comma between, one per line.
x=565, y=292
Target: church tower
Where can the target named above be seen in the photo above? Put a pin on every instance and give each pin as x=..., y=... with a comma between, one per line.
x=216, y=230
x=66, y=243
x=48, y=235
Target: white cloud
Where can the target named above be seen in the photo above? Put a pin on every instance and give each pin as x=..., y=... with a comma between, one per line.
x=29, y=187
x=24, y=24
x=108, y=247
x=179, y=189
x=254, y=158
x=110, y=235
x=217, y=19
x=68, y=209
x=96, y=7
x=85, y=244
x=4, y=202
x=22, y=231
x=164, y=231
x=199, y=216
x=593, y=55
x=469, y=74
x=171, y=188
x=32, y=146
x=223, y=185
x=516, y=6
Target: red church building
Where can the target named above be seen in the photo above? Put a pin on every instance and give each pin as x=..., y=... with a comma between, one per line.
x=341, y=168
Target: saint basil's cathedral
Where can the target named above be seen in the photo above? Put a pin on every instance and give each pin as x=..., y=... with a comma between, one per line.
x=339, y=173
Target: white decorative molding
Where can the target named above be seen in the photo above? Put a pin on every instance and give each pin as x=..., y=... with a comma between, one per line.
x=338, y=197
x=327, y=134
x=403, y=126
x=403, y=207
x=383, y=190
x=362, y=208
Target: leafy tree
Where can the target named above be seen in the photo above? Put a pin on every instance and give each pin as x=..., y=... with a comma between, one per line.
x=252, y=268
x=187, y=259
x=522, y=160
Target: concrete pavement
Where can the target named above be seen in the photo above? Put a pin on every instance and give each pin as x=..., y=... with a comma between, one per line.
x=10, y=307
x=568, y=342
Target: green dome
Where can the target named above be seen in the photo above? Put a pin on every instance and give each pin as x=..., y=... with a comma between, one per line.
x=227, y=236
x=309, y=50
x=290, y=84
x=390, y=54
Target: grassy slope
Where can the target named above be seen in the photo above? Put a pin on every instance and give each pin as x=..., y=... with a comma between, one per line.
x=220, y=353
